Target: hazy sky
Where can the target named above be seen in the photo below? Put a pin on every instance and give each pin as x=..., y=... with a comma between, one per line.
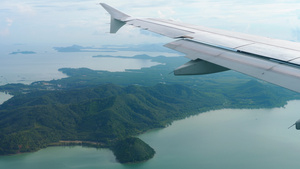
x=85, y=22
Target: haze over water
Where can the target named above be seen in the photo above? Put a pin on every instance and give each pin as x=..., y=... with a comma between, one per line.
x=44, y=65
x=228, y=138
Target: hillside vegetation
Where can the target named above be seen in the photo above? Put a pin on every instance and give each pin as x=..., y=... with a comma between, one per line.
x=131, y=150
x=84, y=108
x=109, y=112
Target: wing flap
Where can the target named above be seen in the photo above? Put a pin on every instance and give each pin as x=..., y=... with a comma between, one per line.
x=265, y=50
x=220, y=40
x=273, y=72
x=296, y=61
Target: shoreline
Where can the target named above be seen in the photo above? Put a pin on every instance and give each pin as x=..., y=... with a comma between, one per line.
x=79, y=143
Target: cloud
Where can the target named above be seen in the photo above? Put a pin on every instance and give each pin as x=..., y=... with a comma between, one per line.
x=5, y=30
x=25, y=9
x=86, y=21
x=9, y=22
x=166, y=13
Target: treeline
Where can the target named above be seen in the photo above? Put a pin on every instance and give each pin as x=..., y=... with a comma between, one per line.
x=109, y=112
x=131, y=150
x=101, y=114
x=85, y=107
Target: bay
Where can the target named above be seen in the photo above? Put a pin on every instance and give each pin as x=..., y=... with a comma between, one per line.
x=35, y=67
x=228, y=138
x=44, y=65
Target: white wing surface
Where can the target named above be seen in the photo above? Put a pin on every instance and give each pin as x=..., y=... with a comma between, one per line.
x=213, y=50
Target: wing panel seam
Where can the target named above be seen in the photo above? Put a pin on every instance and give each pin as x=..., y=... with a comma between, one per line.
x=160, y=24
x=247, y=54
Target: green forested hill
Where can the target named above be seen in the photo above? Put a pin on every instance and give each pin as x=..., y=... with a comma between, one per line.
x=103, y=114
x=84, y=107
x=107, y=113
x=131, y=150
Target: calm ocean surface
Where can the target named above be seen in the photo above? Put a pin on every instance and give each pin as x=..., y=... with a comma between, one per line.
x=229, y=138
x=28, y=68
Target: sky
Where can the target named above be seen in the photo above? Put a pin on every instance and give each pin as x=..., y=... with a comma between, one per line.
x=85, y=22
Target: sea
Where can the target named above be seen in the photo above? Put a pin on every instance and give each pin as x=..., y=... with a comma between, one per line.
x=44, y=65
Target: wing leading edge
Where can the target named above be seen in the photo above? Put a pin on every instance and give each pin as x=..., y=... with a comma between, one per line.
x=213, y=50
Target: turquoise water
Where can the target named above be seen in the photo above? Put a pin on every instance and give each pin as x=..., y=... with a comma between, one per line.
x=229, y=138
x=59, y=157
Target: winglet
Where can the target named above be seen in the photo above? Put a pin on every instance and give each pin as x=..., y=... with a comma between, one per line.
x=118, y=18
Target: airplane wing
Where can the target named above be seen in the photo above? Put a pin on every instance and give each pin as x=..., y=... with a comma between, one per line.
x=213, y=50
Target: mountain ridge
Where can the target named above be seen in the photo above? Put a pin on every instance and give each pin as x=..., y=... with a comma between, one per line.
x=107, y=113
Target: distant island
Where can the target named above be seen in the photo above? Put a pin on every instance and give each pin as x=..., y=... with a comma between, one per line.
x=114, y=48
x=22, y=52
x=110, y=109
x=77, y=48
x=133, y=57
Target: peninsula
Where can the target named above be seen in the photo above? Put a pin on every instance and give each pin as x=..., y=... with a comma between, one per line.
x=22, y=52
x=109, y=109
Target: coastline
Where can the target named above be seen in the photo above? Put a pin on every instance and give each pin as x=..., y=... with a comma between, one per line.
x=99, y=145
x=168, y=142
x=79, y=143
